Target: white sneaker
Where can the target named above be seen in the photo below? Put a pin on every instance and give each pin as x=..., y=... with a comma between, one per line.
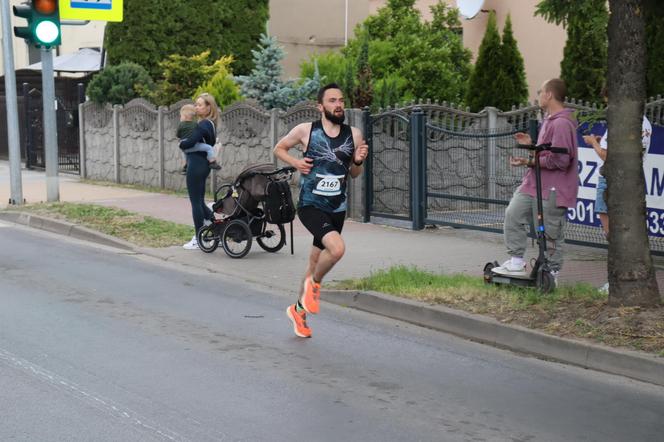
x=511, y=268
x=191, y=245
x=604, y=289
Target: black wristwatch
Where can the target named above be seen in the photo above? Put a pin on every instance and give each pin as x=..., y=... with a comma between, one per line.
x=358, y=164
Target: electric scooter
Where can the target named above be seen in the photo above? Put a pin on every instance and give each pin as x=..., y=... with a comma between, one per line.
x=540, y=276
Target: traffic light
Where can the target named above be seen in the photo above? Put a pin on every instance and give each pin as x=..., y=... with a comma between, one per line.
x=43, y=29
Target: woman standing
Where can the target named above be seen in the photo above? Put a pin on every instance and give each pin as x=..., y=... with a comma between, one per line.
x=198, y=167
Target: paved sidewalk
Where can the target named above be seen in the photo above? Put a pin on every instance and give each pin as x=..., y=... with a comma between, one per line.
x=369, y=248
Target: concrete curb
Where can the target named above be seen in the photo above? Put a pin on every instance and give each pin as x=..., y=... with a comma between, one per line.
x=478, y=328
x=65, y=228
x=489, y=331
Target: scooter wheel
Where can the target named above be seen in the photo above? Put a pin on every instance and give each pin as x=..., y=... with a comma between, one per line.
x=487, y=271
x=545, y=282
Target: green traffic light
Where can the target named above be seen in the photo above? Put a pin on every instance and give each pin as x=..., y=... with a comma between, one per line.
x=47, y=32
x=43, y=27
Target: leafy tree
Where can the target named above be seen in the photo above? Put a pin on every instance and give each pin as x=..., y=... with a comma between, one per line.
x=585, y=56
x=182, y=76
x=630, y=266
x=438, y=55
x=486, y=83
x=264, y=84
x=631, y=274
x=430, y=57
x=515, y=90
x=119, y=84
x=395, y=18
x=151, y=31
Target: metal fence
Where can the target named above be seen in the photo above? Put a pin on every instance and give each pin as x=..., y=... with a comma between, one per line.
x=440, y=165
x=468, y=179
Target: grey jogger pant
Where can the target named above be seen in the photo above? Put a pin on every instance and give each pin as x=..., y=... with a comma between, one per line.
x=521, y=212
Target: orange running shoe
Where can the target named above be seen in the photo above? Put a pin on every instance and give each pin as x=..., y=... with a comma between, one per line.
x=311, y=296
x=299, y=322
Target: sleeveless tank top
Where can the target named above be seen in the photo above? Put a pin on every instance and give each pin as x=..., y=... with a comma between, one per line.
x=325, y=186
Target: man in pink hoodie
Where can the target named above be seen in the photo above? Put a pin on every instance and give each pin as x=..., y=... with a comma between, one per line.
x=560, y=183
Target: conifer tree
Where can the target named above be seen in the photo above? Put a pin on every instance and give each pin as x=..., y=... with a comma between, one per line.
x=486, y=83
x=348, y=83
x=265, y=79
x=593, y=14
x=655, y=47
x=264, y=84
x=515, y=90
x=585, y=58
x=363, y=94
x=584, y=64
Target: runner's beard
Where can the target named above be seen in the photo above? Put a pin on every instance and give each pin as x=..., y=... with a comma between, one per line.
x=333, y=118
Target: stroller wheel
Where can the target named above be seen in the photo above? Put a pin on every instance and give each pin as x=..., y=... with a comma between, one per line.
x=236, y=239
x=208, y=239
x=273, y=237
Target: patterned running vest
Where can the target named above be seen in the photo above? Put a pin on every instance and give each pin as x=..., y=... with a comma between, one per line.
x=325, y=186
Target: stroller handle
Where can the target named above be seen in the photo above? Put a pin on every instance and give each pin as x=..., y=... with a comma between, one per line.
x=287, y=170
x=543, y=147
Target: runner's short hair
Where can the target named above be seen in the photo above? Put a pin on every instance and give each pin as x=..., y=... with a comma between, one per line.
x=558, y=89
x=321, y=91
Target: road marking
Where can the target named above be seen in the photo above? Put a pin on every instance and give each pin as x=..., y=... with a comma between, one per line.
x=98, y=402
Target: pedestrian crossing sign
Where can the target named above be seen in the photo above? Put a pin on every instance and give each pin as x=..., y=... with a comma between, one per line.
x=103, y=10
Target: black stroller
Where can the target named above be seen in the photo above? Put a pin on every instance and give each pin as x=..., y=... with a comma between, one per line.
x=241, y=213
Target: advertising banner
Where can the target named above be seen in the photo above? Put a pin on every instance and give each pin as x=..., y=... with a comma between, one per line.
x=653, y=167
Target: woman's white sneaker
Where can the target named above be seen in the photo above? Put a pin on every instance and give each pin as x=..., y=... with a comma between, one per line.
x=191, y=245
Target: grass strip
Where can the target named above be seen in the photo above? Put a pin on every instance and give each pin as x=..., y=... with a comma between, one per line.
x=572, y=310
x=138, y=229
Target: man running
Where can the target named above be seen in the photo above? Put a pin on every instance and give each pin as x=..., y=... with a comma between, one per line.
x=332, y=151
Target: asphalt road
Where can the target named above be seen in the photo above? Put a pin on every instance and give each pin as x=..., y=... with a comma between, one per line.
x=97, y=344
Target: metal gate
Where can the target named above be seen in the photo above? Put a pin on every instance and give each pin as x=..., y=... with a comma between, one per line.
x=67, y=127
x=388, y=167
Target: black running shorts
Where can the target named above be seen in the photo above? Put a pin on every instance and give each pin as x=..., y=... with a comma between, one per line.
x=320, y=223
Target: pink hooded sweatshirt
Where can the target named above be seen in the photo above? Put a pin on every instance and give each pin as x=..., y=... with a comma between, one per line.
x=559, y=171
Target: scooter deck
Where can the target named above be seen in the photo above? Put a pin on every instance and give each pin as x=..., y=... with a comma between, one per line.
x=511, y=275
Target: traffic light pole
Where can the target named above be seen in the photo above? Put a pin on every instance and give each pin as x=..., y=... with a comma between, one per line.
x=50, y=130
x=16, y=188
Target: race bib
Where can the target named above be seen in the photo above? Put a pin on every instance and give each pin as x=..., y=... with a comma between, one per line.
x=328, y=185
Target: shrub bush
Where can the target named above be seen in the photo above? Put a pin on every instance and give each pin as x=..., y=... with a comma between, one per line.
x=120, y=84
x=221, y=86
